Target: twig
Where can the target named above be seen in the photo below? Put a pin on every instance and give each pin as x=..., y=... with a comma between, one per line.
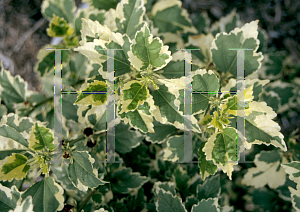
x=87, y=198
x=27, y=35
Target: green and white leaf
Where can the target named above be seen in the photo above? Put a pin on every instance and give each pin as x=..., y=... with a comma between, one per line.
x=181, y=178
x=168, y=202
x=293, y=169
x=245, y=38
x=41, y=137
x=175, y=148
x=81, y=171
x=272, y=65
x=26, y=205
x=169, y=16
x=141, y=118
x=62, y=8
x=9, y=198
x=14, y=167
x=126, y=180
x=61, y=176
x=295, y=194
x=223, y=147
x=147, y=53
x=207, y=205
x=261, y=129
x=130, y=16
x=90, y=98
x=13, y=89
x=167, y=112
x=102, y=4
x=207, y=167
x=267, y=164
x=134, y=93
x=47, y=195
x=167, y=186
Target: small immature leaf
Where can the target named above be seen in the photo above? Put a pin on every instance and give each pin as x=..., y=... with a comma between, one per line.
x=134, y=94
x=267, y=164
x=41, y=137
x=169, y=16
x=59, y=27
x=9, y=198
x=239, y=38
x=207, y=167
x=126, y=179
x=130, y=16
x=88, y=95
x=47, y=195
x=146, y=52
x=207, y=205
x=168, y=202
x=81, y=171
x=14, y=167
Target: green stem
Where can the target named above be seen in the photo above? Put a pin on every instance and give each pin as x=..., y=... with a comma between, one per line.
x=80, y=138
x=87, y=198
x=20, y=186
x=39, y=104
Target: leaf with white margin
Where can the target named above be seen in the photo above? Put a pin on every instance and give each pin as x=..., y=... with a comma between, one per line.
x=272, y=65
x=127, y=180
x=169, y=16
x=293, y=169
x=81, y=171
x=93, y=30
x=87, y=97
x=223, y=147
x=126, y=139
x=162, y=132
x=261, y=129
x=141, y=118
x=9, y=198
x=14, y=167
x=203, y=42
x=181, y=178
x=130, y=16
x=175, y=148
x=121, y=62
x=96, y=116
x=207, y=205
x=207, y=167
x=167, y=186
x=166, y=201
x=47, y=195
x=226, y=23
x=239, y=38
x=146, y=52
x=174, y=41
x=26, y=205
x=101, y=210
x=41, y=137
x=13, y=133
x=134, y=93
x=267, y=164
x=64, y=9
x=61, y=176
x=295, y=194
x=175, y=68
x=167, y=112
x=13, y=89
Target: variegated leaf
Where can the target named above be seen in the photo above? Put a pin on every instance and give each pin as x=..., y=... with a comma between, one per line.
x=14, y=167
x=147, y=52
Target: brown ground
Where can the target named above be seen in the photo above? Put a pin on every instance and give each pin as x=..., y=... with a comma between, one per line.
x=21, y=18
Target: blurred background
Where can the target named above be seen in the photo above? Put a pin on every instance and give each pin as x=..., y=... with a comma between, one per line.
x=23, y=28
